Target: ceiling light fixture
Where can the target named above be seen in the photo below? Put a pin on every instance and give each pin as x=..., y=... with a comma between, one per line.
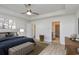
x=29, y=10
x=29, y=13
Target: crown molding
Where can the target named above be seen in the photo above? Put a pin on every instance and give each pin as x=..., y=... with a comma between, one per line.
x=7, y=12
x=52, y=14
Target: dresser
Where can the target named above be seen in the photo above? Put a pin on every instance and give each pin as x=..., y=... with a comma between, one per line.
x=71, y=46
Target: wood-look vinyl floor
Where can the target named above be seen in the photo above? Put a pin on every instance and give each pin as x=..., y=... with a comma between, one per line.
x=54, y=49
x=51, y=49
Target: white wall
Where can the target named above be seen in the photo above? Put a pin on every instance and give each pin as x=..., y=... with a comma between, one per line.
x=19, y=22
x=29, y=29
x=67, y=27
x=43, y=27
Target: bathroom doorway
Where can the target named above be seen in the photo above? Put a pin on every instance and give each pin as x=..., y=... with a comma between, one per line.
x=56, y=31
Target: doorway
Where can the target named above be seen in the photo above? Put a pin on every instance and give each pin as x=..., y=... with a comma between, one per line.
x=56, y=31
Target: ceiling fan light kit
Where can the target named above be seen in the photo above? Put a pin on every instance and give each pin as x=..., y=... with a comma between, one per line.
x=29, y=11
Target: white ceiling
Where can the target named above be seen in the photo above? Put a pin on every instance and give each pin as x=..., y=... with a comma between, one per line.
x=42, y=9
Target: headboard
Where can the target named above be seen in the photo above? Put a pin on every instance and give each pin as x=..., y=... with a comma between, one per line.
x=8, y=34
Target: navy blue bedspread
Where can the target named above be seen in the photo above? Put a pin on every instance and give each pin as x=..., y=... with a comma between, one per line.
x=9, y=42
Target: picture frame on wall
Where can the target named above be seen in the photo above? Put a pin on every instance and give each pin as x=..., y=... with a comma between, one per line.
x=1, y=23
x=6, y=23
x=78, y=26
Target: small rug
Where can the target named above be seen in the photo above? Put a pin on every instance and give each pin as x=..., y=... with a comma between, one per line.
x=38, y=48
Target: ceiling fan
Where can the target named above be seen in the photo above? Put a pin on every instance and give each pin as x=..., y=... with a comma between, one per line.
x=28, y=10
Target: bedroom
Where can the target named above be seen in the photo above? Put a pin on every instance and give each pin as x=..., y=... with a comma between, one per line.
x=34, y=22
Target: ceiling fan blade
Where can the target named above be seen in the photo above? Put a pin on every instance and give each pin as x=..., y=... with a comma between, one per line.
x=35, y=13
x=27, y=6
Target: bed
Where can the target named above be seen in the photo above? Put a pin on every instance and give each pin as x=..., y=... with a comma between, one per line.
x=9, y=42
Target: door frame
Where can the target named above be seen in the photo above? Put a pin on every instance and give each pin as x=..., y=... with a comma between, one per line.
x=52, y=29
x=34, y=30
